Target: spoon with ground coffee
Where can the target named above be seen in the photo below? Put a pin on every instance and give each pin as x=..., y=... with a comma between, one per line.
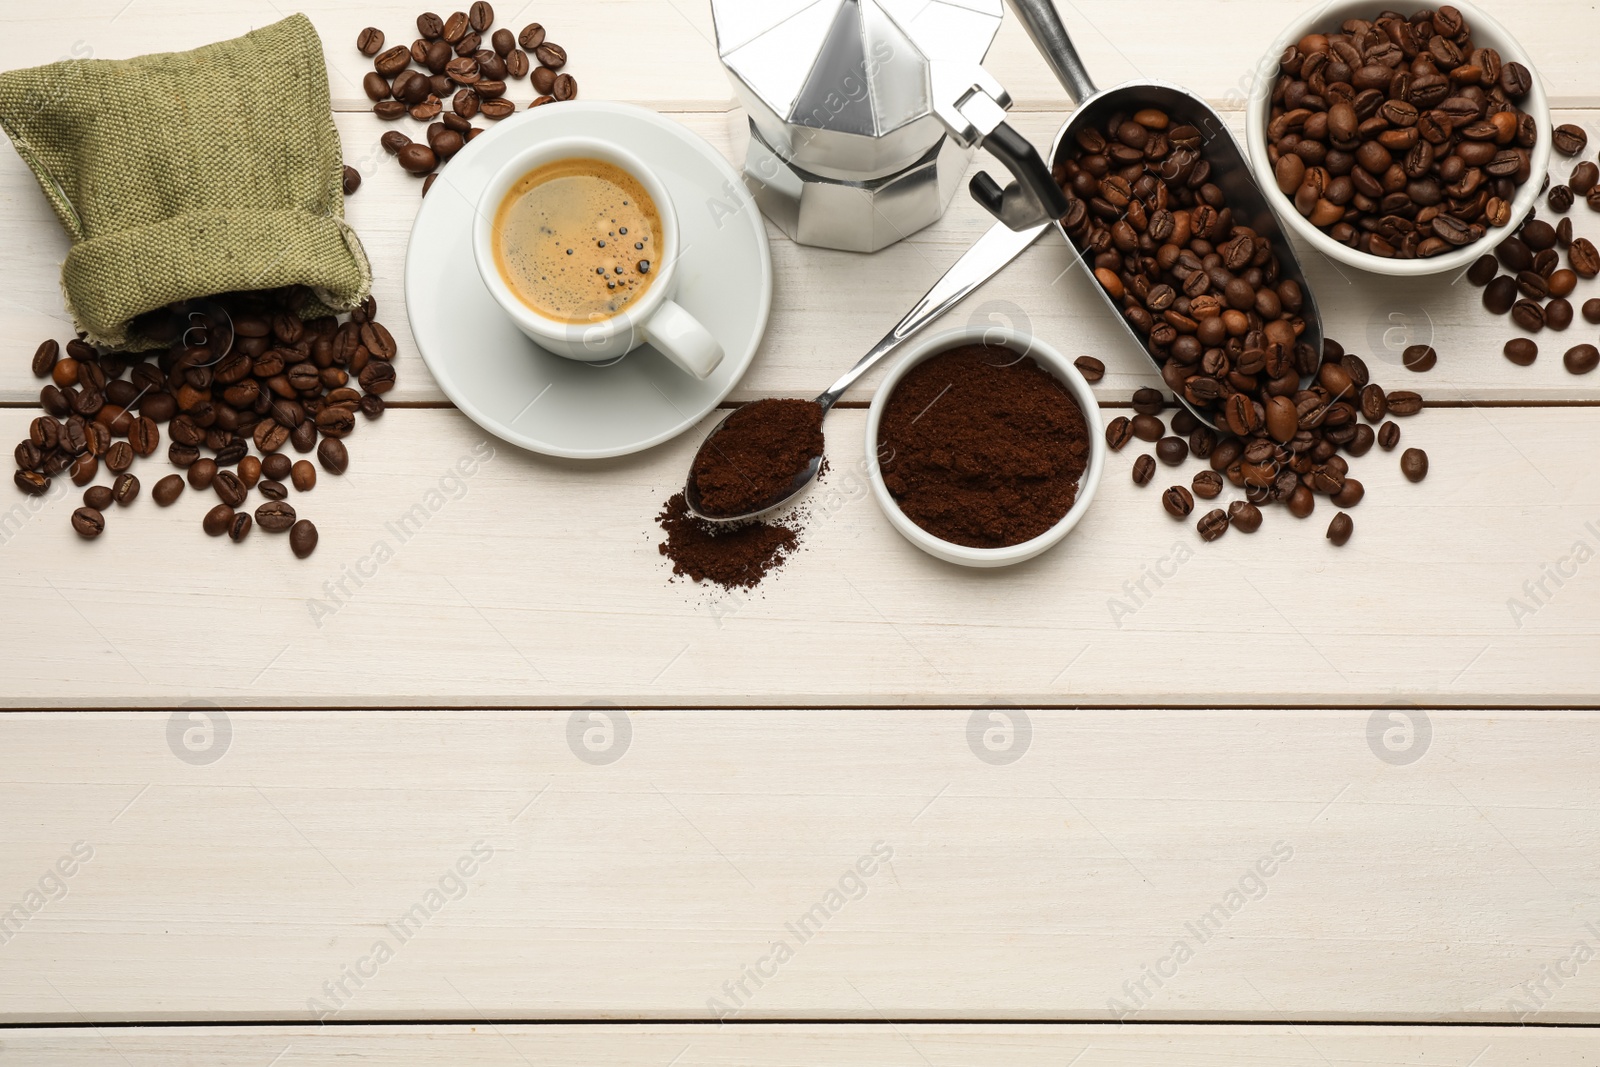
x=764, y=454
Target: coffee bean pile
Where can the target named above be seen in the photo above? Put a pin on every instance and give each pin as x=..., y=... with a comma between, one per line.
x=1399, y=137
x=256, y=375
x=449, y=62
x=1291, y=456
x=1203, y=292
x=1535, y=287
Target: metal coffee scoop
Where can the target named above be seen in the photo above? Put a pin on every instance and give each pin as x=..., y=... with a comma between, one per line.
x=1229, y=170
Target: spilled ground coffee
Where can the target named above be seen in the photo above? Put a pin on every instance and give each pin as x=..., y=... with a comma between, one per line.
x=981, y=446
x=735, y=556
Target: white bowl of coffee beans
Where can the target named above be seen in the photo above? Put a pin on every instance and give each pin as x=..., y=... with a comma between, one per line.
x=1399, y=144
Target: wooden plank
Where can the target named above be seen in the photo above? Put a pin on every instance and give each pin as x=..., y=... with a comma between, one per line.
x=908, y=1045
x=828, y=307
x=526, y=581
x=910, y=872
x=663, y=51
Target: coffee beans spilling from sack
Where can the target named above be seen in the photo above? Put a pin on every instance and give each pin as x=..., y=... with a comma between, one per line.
x=239, y=371
x=464, y=63
x=1290, y=454
x=1400, y=137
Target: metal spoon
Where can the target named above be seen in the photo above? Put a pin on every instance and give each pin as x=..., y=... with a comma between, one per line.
x=981, y=262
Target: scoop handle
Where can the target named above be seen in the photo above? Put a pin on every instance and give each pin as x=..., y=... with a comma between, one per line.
x=1049, y=35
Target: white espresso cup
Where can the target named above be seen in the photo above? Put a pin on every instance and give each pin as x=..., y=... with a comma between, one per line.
x=653, y=317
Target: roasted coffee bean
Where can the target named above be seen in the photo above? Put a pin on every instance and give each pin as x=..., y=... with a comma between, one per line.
x=182, y=456
x=1581, y=359
x=430, y=26
x=1243, y=516
x=496, y=110
x=88, y=523
x=1483, y=270
x=1528, y=315
x=1207, y=484
x=270, y=436
x=1569, y=140
x=1591, y=311
x=1213, y=525
x=304, y=476
x=480, y=16
x=1388, y=436
x=28, y=455
x=303, y=538
x=44, y=432
x=167, y=490
x=417, y=159
x=84, y=469
x=304, y=436
x=1148, y=427
x=371, y=405
x=393, y=61
x=1178, y=501
x=218, y=521
x=428, y=110
x=1501, y=293
x=543, y=79
x=275, y=516
x=1340, y=529
x=455, y=27
x=31, y=482
x=125, y=490
x=1172, y=450
x=1119, y=431
x=1558, y=314
x=531, y=37
x=239, y=528
x=1414, y=464
x=1350, y=494
x=1583, y=258
x=1144, y=469
x=229, y=489
x=1404, y=402
x=1521, y=351
x=352, y=180
x=517, y=64
x=277, y=467
x=143, y=436
x=1585, y=176
x=1091, y=369
x=202, y=472
x=249, y=471
x=565, y=87
x=333, y=456
x=1302, y=502
x=550, y=55
x=469, y=44
x=44, y=358
x=336, y=421
x=54, y=401
x=503, y=42
x=72, y=438
x=274, y=490
x=1148, y=401
x=1559, y=198
x=1420, y=358
x=370, y=41
x=98, y=497
x=231, y=453
x=1374, y=402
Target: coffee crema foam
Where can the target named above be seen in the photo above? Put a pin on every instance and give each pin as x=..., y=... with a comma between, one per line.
x=577, y=240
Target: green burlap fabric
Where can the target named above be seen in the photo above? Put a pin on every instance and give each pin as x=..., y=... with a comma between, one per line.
x=189, y=174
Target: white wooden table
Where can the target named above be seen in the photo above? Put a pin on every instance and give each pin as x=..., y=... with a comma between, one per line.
x=580, y=807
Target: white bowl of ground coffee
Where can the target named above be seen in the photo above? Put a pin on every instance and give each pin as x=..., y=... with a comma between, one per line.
x=984, y=446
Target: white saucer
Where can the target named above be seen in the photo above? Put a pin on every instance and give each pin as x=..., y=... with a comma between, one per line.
x=561, y=407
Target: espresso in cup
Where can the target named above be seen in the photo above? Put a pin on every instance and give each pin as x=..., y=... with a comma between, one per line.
x=577, y=240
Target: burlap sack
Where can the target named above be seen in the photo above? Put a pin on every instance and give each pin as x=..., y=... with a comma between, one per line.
x=188, y=174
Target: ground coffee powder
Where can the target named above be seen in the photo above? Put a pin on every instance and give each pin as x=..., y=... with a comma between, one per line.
x=981, y=446
x=752, y=460
x=732, y=556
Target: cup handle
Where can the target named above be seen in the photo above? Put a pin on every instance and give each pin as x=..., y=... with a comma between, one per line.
x=682, y=339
